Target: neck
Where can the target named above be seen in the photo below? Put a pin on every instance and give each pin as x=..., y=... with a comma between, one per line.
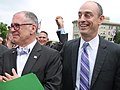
x=24, y=44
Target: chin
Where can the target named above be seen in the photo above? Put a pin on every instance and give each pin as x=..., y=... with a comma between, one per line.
x=41, y=43
x=83, y=31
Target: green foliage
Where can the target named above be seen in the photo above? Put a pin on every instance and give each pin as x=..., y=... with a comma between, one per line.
x=3, y=30
x=117, y=37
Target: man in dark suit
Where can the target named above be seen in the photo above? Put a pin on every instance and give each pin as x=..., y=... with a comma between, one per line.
x=62, y=36
x=103, y=69
x=3, y=49
x=30, y=56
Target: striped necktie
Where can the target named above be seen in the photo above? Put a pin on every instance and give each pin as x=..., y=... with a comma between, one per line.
x=84, y=70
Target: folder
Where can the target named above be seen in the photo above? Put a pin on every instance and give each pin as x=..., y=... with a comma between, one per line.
x=26, y=82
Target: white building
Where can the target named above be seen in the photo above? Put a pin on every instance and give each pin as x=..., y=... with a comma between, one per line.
x=106, y=30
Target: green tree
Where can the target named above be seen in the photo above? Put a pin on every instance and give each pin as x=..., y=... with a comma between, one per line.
x=117, y=37
x=3, y=30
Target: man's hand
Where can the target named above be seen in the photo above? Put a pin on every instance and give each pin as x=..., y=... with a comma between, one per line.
x=1, y=78
x=9, y=77
x=59, y=21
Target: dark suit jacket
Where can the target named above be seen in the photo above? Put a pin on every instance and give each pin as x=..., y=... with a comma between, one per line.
x=106, y=73
x=43, y=61
x=2, y=49
x=62, y=39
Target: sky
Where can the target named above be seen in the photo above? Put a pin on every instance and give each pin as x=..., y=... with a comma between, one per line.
x=47, y=10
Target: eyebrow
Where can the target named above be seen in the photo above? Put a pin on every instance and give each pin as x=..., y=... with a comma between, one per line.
x=84, y=12
x=42, y=37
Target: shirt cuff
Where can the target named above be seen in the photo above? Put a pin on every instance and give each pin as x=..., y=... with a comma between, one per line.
x=62, y=31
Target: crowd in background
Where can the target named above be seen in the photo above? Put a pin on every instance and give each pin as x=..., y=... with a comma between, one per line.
x=85, y=63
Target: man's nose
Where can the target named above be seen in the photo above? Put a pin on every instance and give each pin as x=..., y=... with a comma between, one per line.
x=82, y=18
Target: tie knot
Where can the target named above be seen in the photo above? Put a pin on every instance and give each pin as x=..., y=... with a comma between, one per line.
x=85, y=45
x=22, y=51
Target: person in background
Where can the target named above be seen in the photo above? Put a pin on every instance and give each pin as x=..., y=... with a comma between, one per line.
x=43, y=38
x=90, y=62
x=2, y=49
x=1, y=40
x=9, y=41
x=30, y=56
x=62, y=35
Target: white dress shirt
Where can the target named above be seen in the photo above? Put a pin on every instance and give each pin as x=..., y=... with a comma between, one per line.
x=22, y=59
x=92, y=52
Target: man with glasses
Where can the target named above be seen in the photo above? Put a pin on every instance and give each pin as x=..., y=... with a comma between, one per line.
x=30, y=56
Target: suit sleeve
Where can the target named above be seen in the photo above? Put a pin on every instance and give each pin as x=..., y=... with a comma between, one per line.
x=62, y=37
x=117, y=75
x=53, y=73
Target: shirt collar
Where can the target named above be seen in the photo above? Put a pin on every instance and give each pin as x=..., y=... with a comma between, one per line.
x=31, y=45
x=92, y=43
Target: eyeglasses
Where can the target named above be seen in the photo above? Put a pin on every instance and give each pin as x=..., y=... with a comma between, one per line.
x=16, y=26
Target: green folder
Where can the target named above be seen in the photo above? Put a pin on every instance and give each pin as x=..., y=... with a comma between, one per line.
x=26, y=82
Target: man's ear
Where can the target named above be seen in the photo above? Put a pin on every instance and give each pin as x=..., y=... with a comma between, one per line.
x=33, y=30
x=101, y=18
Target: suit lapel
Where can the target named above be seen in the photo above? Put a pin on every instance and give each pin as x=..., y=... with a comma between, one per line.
x=34, y=55
x=75, y=49
x=13, y=58
x=100, y=58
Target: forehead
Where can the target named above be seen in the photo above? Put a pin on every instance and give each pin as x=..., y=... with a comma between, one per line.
x=42, y=34
x=89, y=7
x=19, y=17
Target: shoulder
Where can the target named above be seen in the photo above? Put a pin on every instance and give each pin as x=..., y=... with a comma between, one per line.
x=44, y=49
x=72, y=42
x=48, y=49
x=109, y=45
x=3, y=49
x=50, y=54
